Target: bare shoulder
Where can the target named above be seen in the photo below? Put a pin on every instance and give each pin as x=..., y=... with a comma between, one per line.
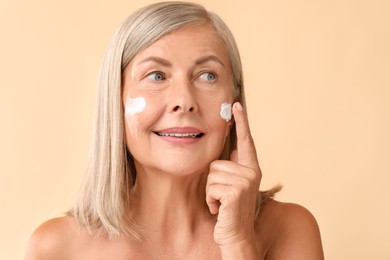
x=52, y=239
x=289, y=231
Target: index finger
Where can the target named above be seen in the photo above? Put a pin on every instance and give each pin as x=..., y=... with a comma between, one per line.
x=246, y=151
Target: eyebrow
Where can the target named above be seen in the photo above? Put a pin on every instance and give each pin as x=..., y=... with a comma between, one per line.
x=166, y=63
x=208, y=58
x=155, y=59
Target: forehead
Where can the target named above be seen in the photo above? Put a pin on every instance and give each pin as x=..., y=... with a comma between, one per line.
x=194, y=32
x=199, y=39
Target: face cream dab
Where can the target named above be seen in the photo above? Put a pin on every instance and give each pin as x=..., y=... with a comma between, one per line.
x=226, y=111
x=135, y=105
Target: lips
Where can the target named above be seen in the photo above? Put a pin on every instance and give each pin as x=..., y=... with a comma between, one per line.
x=180, y=135
x=180, y=132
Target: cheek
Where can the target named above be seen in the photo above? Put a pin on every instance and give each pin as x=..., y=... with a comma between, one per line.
x=134, y=106
x=136, y=133
x=226, y=111
x=218, y=114
x=140, y=115
x=218, y=106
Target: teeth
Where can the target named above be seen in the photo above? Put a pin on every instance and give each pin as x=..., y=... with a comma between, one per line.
x=179, y=135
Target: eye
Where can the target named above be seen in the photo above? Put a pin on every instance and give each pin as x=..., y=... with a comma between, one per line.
x=208, y=76
x=156, y=76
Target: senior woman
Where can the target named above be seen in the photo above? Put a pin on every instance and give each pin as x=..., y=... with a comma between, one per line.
x=174, y=172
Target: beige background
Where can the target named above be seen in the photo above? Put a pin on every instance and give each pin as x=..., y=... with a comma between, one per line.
x=318, y=87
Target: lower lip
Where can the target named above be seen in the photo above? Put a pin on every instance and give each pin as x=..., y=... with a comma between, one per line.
x=180, y=140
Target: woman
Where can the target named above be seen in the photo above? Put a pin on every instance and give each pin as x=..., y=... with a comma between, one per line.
x=174, y=172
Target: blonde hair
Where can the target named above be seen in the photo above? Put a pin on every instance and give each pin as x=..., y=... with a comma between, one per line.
x=105, y=196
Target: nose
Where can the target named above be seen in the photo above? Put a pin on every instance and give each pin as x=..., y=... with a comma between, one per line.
x=182, y=98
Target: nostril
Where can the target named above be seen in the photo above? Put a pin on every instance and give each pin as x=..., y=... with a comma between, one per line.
x=178, y=108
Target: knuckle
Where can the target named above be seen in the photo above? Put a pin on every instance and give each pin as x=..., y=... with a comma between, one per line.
x=233, y=194
x=252, y=174
x=215, y=164
x=212, y=164
x=249, y=139
x=246, y=184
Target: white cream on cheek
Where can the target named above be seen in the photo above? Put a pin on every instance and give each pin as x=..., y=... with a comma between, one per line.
x=135, y=105
x=226, y=111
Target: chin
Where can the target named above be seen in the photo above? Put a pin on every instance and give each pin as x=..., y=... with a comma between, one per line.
x=178, y=163
x=183, y=169
x=175, y=167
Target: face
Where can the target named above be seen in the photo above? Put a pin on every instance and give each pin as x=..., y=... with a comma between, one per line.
x=179, y=84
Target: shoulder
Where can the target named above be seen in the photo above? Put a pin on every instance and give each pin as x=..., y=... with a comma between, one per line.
x=290, y=231
x=52, y=239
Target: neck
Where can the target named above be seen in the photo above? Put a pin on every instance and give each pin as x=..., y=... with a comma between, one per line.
x=170, y=208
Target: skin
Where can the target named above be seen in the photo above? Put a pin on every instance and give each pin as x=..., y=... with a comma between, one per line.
x=199, y=207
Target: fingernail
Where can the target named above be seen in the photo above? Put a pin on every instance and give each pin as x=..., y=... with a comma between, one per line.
x=238, y=106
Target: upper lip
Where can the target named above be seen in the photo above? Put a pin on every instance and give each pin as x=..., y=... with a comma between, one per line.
x=180, y=131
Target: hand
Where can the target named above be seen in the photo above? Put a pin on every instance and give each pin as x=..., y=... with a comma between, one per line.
x=232, y=188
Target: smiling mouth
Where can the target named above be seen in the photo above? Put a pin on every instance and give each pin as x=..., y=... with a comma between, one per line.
x=180, y=135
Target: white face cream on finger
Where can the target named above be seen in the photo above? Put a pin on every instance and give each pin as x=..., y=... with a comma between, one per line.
x=226, y=111
x=135, y=106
